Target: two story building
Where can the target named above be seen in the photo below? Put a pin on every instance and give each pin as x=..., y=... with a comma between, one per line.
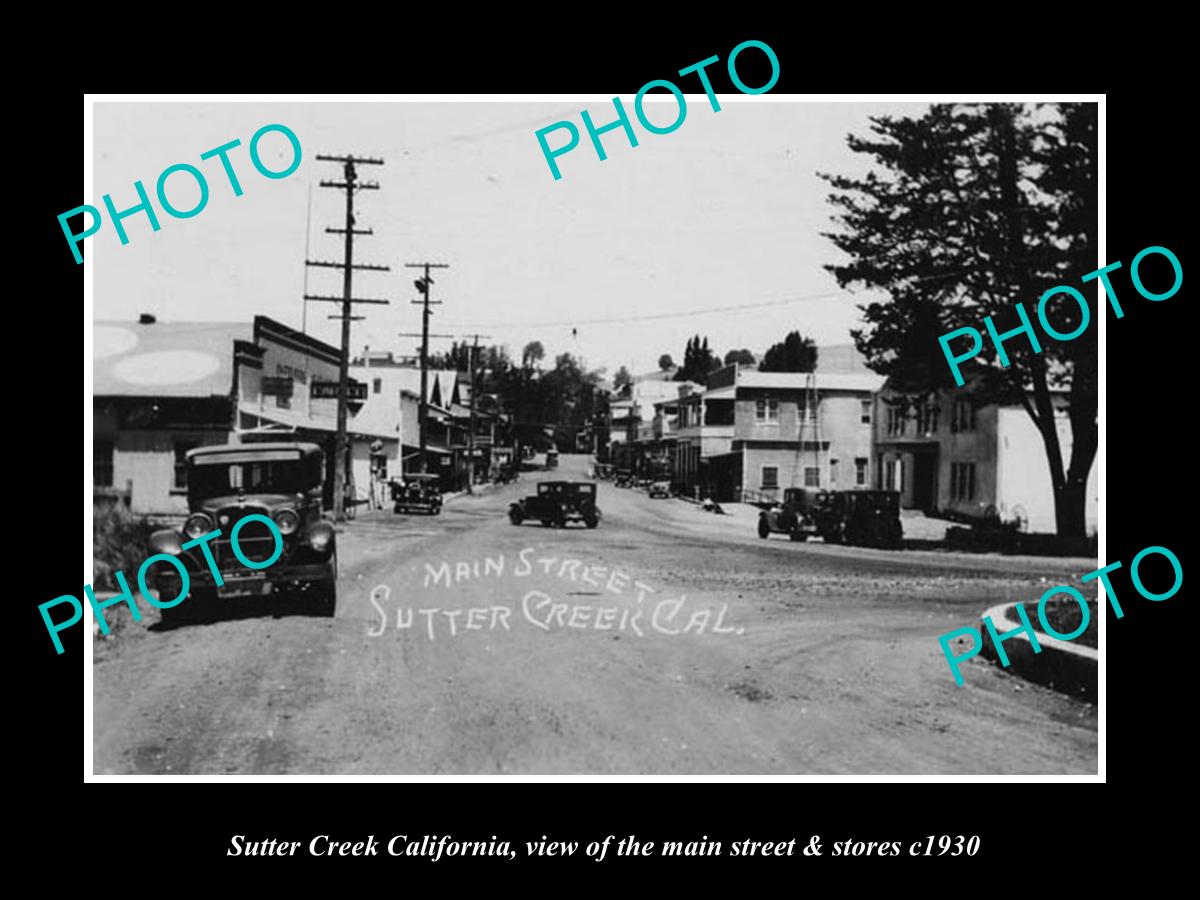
x=751, y=434
x=956, y=456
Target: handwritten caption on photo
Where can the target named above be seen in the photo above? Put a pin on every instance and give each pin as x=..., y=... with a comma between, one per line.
x=638, y=612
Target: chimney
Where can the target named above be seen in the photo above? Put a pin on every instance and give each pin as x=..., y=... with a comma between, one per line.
x=146, y=319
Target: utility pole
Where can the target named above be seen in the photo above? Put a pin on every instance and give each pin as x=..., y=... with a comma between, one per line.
x=422, y=284
x=349, y=185
x=424, y=335
x=471, y=420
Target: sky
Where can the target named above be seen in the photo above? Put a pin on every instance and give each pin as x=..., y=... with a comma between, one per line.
x=726, y=211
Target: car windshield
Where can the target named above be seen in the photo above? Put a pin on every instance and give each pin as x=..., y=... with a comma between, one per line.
x=212, y=480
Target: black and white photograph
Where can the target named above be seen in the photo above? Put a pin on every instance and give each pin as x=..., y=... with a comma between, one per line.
x=697, y=434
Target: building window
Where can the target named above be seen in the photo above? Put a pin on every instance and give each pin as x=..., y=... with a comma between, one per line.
x=181, y=449
x=808, y=413
x=766, y=410
x=866, y=412
x=962, y=482
x=860, y=472
x=812, y=476
x=889, y=476
x=102, y=463
x=927, y=419
x=770, y=477
x=377, y=386
x=964, y=416
x=833, y=470
x=896, y=417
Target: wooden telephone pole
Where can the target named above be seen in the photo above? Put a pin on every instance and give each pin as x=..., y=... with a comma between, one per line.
x=422, y=284
x=350, y=185
x=471, y=427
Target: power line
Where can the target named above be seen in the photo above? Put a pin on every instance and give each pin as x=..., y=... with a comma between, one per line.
x=620, y=320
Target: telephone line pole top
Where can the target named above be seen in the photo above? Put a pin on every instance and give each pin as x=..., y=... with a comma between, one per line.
x=358, y=160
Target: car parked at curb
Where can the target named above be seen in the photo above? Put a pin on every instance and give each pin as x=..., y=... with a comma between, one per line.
x=794, y=515
x=227, y=483
x=659, y=489
x=417, y=493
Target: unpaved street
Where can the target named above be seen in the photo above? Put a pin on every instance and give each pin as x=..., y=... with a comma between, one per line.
x=560, y=656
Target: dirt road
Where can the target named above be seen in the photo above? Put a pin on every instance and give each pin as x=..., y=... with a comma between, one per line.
x=569, y=652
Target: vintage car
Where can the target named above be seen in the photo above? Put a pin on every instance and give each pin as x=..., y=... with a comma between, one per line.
x=551, y=459
x=557, y=503
x=226, y=483
x=659, y=489
x=623, y=478
x=417, y=492
x=795, y=515
x=864, y=518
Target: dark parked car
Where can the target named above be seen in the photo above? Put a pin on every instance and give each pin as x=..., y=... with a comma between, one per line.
x=795, y=515
x=557, y=503
x=420, y=493
x=282, y=481
x=865, y=518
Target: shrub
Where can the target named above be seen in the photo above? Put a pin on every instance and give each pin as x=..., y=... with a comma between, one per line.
x=121, y=541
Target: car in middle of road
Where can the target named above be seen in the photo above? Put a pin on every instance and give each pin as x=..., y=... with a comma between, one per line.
x=659, y=489
x=558, y=502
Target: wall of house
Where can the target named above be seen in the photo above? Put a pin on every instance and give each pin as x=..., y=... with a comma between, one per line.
x=843, y=434
x=1025, y=488
x=147, y=458
x=978, y=446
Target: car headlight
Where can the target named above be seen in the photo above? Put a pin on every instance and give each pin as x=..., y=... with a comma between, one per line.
x=288, y=521
x=196, y=525
x=320, y=536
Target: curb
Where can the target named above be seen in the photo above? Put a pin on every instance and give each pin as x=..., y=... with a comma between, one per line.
x=1065, y=666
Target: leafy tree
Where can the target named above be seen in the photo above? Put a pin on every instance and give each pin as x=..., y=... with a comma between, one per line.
x=742, y=357
x=698, y=361
x=622, y=382
x=533, y=354
x=969, y=210
x=665, y=363
x=793, y=354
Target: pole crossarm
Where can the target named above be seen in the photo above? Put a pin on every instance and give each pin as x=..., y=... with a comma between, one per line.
x=340, y=265
x=345, y=300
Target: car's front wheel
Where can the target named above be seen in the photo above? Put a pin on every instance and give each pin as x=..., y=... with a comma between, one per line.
x=323, y=598
x=764, y=530
x=194, y=606
x=516, y=516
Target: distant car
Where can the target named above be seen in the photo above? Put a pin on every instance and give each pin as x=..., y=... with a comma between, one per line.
x=623, y=478
x=226, y=483
x=795, y=515
x=659, y=489
x=551, y=459
x=417, y=493
x=557, y=503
